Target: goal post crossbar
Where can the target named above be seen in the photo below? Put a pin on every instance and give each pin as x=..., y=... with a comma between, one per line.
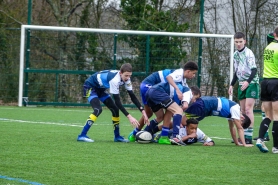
x=114, y=31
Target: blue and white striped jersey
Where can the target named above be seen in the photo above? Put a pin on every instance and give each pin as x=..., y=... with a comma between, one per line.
x=160, y=76
x=108, y=79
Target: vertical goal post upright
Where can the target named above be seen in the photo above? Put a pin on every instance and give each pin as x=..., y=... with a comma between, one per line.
x=111, y=31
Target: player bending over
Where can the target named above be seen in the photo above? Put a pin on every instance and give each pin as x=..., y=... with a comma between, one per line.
x=172, y=76
x=222, y=107
x=162, y=96
x=94, y=89
x=167, y=123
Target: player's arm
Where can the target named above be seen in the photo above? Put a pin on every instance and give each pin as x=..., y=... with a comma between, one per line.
x=240, y=132
x=230, y=91
x=186, y=99
x=193, y=135
x=248, y=81
x=136, y=102
x=233, y=131
x=203, y=138
x=119, y=104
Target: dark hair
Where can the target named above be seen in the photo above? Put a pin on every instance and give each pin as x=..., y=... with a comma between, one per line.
x=191, y=121
x=269, y=38
x=126, y=68
x=190, y=66
x=195, y=90
x=239, y=35
x=276, y=31
x=246, y=122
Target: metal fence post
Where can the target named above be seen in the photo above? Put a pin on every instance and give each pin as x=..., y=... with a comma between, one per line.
x=148, y=54
x=200, y=44
x=115, y=51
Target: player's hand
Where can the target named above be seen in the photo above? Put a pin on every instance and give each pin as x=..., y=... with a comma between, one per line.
x=184, y=106
x=193, y=135
x=208, y=144
x=146, y=119
x=179, y=93
x=244, y=85
x=133, y=121
x=248, y=145
x=230, y=91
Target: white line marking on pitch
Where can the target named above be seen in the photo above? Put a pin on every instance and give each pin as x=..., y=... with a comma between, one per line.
x=71, y=125
x=52, y=123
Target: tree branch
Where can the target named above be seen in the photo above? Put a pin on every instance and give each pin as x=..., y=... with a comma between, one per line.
x=11, y=17
x=75, y=7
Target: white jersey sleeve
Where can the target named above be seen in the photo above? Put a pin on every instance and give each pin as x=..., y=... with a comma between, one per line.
x=177, y=76
x=187, y=96
x=202, y=137
x=235, y=112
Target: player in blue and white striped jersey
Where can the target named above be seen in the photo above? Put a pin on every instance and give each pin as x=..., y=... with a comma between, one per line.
x=164, y=96
x=94, y=89
x=167, y=75
x=222, y=107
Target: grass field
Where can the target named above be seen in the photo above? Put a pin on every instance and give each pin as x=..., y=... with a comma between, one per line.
x=38, y=146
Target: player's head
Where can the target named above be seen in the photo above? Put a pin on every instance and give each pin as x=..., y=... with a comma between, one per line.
x=189, y=70
x=269, y=38
x=240, y=40
x=275, y=33
x=191, y=126
x=126, y=71
x=196, y=93
x=245, y=121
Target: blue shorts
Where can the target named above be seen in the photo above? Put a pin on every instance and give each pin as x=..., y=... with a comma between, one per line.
x=144, y=87
x=158, y=99
x=91, y=92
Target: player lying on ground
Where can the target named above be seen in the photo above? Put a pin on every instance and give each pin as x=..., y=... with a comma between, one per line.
x=94, y=89
x=222, y=107
x=171, y=76
x=190, y=134
x=167, y=123
x=162, y=96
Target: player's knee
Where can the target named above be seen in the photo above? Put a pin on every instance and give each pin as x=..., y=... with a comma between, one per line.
x=97, y=111
x=178, y=111
x=159, y=119
x=149, y=114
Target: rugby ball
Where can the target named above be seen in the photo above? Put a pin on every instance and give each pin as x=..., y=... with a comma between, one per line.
x=143, y=137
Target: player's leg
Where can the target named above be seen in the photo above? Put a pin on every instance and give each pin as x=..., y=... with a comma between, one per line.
x=249, y=106
x=154, y=122
x=107, y=100
x=149, y=112
x=97, y=109
x=266, y=89
x=266, y=136
x=176, y=110
x=165, y=128
x=264, y=126
x=275, y=126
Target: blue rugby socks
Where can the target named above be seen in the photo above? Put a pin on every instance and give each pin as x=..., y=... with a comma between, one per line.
x=176, y=124
x=92, y=118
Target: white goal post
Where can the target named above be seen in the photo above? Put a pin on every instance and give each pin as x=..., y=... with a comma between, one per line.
x=113, y=31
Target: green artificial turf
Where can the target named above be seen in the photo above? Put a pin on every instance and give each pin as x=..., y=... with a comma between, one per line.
x=38, y=146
